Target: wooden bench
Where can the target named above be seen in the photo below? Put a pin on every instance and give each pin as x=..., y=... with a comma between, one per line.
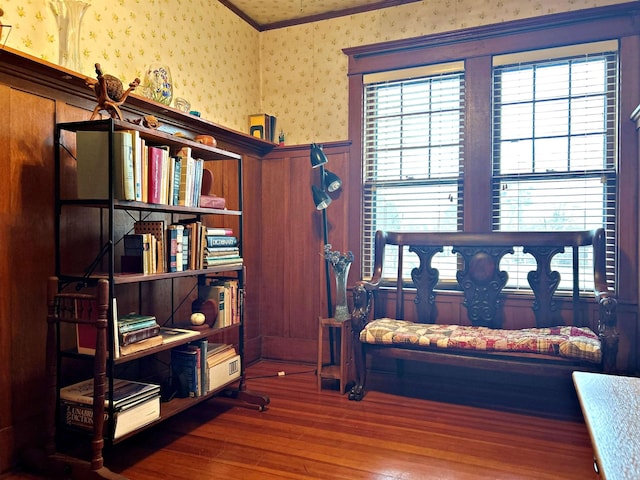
x=541, y=330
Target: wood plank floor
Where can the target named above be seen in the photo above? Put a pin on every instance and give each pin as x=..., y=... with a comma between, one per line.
x=306, y=434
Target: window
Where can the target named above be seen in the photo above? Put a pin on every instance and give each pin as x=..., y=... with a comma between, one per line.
x=554, y=155
x=413, y=150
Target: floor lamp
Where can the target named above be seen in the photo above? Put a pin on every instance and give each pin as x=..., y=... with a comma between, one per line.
x=329, y=182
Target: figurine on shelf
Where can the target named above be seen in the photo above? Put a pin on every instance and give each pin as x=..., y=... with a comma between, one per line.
x=109, y=92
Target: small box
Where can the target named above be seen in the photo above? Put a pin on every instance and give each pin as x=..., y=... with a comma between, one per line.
x=224, y=372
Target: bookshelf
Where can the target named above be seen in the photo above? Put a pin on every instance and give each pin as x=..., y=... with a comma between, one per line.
x=89, y=251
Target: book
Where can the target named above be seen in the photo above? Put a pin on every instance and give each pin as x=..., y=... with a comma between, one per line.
x=134, y=336
x=125, y=392
x=220, y=354
x=177, y=173
x=155, y=155
x=92, y=153
x=133, y=259
x=141, y=345
x=224, y=372
x=131, y=327
x=157, y=229
x=219, y=231
x=185, y=370
x=186, y=171
x=175, y=239
x=127, y=419
x=137, y=152
x=221, y=241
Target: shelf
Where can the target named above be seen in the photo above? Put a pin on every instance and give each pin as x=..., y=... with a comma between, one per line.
x=151, y=207
x=155, y=137
x=176, y=406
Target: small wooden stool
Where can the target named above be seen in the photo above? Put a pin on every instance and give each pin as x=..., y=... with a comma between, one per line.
x=343, y=369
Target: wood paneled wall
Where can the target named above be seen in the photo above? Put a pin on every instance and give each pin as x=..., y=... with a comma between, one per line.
x=292, y=276
x=34, y=96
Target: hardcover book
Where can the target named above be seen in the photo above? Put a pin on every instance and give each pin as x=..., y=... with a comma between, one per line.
x=93, y=165
x=124, y=392
x=141, y=345
x=134, y=336
x=127, y=419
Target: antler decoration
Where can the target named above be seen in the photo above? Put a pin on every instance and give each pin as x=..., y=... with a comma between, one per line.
x=109, y=93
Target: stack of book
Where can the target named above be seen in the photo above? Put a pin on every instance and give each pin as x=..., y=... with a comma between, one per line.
x=135, y=404
x=138, y=332
x=221, y=248
x=201, y=367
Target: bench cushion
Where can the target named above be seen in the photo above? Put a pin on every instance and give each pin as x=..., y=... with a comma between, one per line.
x=578, y=343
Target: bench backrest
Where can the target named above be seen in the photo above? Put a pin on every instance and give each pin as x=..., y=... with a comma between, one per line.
x=479, y=275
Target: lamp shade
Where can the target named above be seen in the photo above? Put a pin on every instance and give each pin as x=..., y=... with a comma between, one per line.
x=332, y=181
x=320, y=198
x=317, y=156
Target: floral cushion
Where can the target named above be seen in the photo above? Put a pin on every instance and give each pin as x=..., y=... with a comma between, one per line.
x=578, y=343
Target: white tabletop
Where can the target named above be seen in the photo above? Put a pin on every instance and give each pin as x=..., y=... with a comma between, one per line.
x=611, y=408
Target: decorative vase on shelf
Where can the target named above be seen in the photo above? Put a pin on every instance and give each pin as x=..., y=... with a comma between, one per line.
x=157, y=84
x=69, y=15
x=341, y=263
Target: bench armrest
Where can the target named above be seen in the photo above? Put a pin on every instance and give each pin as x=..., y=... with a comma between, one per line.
x=607, y=304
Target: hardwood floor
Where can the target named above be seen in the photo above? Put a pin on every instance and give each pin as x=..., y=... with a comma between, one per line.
x=306, y=434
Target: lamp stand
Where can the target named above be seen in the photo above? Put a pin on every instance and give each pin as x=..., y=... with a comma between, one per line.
x=327, y=277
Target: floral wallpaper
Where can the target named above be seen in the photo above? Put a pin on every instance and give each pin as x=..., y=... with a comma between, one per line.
x=227, y=70
x=212, y=55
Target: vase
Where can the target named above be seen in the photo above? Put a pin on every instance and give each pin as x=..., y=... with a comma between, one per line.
x=69, y=15
x=341, y=312
x=157, y=84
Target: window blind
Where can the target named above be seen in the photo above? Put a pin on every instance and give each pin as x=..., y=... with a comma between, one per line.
x=554, y=150
x=413, y=150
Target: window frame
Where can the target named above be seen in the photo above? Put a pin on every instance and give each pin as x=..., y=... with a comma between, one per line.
x=584, y=26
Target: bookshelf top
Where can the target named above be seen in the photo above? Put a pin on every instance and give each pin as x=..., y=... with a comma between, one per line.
x=154, y=136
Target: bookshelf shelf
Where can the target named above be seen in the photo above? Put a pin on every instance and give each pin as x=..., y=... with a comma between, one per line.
x=90, y=256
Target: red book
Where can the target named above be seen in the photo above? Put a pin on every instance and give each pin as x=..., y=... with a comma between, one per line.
x=155, y=174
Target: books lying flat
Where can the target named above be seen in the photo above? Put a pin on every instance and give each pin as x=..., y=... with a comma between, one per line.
x=141, y=345
x=125, y=392
x=127, y=419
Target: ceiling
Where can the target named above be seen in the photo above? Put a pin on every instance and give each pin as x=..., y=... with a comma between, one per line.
x=271, y=14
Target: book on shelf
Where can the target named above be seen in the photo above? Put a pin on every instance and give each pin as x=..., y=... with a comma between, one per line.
x=219, y=353
x=186, y=370
x=144, y=322
x=138, y=335
x=141, y=345
x=221, y=241
x=186, y=174
x=134, y=321
x=125, y=392
x=157, y=159
x=175, y=235
x=220, y=231
x=174, y=178
x=222, y=262
x=170, y=335
x=127, y=419
x=212, y=201
x=92, y=153
x=137, y=152
x=145, y=170
x=223, y=372
x=139, y=255
x=157, y=229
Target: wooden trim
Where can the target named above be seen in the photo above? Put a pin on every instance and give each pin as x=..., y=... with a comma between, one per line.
x=333, y=14
x=620, y=18
x=32, y=74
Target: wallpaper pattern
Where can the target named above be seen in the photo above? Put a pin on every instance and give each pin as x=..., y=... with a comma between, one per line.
x=228, y=70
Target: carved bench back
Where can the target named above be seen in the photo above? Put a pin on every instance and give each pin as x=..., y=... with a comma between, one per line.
x=479, y=276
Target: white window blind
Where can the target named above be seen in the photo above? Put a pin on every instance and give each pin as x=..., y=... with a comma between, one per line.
x=554, y=150
x=413, y=150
